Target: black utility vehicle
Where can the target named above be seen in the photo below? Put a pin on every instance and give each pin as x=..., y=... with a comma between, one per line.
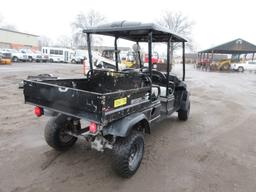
x=112, y=109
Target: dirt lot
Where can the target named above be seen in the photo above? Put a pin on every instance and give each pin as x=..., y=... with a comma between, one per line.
x=213, y=151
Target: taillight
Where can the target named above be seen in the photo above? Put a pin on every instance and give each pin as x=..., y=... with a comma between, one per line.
x=38, y=111
x=93, y=127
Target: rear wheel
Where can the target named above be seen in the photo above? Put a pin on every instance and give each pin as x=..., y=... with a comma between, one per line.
x=73, y=61
x=30, y=59
x=240, y=69
x=184, y=114
x=128, y=154
x=15, y=59
x=55, y=133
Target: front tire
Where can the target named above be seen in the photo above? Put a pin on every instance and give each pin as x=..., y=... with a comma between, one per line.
x=73, y=61
x=240, y=69
x=128, y=154
x=15, y=59
x=30, y=59
x=55, y=135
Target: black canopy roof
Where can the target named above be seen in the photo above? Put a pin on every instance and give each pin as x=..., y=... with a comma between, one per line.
x=135, y=31
x=237, y=46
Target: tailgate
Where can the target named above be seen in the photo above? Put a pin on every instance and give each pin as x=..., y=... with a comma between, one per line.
x=74, y=102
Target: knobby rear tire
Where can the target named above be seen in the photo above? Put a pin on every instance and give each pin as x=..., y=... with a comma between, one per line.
x=54, y=133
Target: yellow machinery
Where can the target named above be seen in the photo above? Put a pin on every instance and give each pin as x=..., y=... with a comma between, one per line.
x=127, y=59
x=223, y=65
x=5, y=58
x=128, y=63
x=5, y=61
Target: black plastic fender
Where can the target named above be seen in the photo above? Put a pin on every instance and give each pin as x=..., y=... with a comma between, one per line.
x=123, y=127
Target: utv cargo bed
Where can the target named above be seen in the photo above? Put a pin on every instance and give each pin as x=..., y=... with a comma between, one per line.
x=106, y=97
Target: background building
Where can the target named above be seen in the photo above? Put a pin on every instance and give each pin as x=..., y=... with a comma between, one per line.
x=16, y=40
x=192, y=58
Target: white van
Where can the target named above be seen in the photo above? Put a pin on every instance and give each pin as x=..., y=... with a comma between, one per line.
x=58, y=54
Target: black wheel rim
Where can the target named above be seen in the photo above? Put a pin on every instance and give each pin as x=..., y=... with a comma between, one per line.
x=63, y=136
x=135, y=155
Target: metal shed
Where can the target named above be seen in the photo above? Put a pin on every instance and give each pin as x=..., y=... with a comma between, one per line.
x=237, y=46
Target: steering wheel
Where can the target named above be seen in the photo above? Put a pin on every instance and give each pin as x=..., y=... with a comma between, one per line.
x=89, y=74
x=147, y=79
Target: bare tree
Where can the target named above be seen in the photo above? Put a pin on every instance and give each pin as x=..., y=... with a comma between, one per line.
x=5, y=25
x=179, y=24
x=1, y=19
x=64, y=41
x=44, y=41
x=84, y=21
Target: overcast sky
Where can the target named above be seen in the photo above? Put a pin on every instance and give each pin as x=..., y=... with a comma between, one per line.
x=215, y=21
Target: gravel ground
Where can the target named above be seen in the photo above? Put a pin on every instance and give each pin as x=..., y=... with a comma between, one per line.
x=213, y=151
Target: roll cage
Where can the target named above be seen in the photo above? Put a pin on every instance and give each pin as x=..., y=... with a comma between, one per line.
x=138, y=32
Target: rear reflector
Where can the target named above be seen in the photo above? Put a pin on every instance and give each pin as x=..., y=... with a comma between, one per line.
x=38, y=111
x=93, y=127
